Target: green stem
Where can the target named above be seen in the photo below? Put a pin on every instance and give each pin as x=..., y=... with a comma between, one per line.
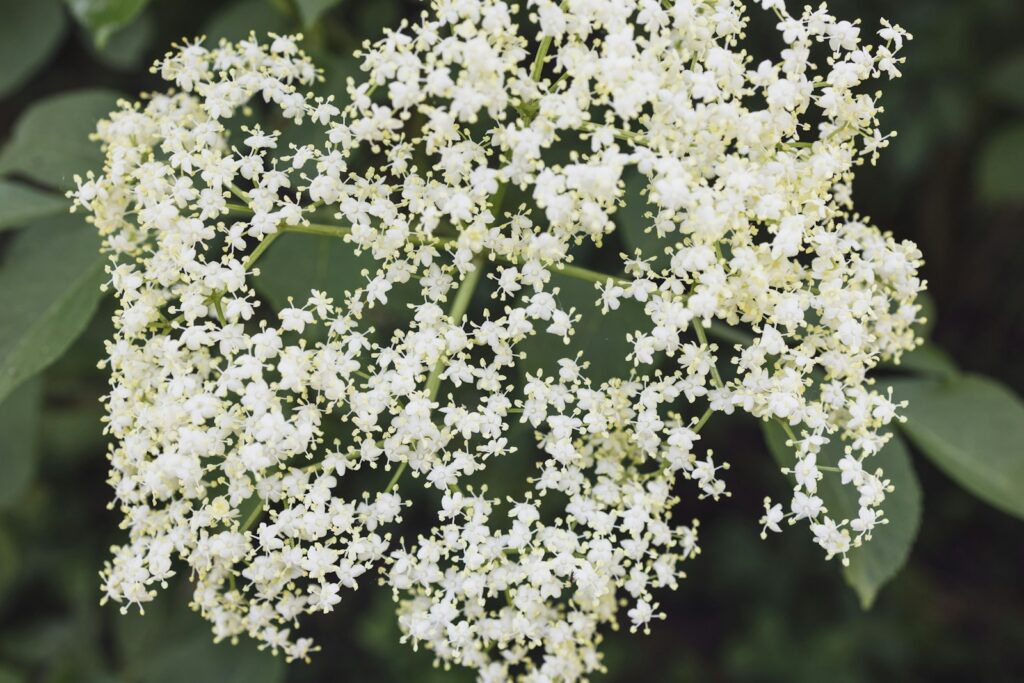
x=717, y=330
x=729, y=334
x=399, y=471
x=238, y=192
x=789, y=430
x=460, y=305
x=542, y=51
x=458, y=310
x=590, y=275
x=618, y=133
x=220, y=311
x=703, y=421
x=256, y=513
x=538, y=61
x=260, y=248
x=322, y=229
x=328, y=230
x=702, y=336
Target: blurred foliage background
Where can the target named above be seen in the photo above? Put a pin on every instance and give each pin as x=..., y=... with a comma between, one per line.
x=750, y=611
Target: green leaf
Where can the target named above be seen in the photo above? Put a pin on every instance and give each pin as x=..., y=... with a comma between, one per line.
x=20, y=204
x=873, y=564
x=297, y=263
x=49, y=289
x=200, y=660
x=311, y=10
x=29, y=33
x=128, y=47
x=72, y=433
x=170, y=644
x=45, y=639
x=10, y=675
x=50, y=143
x=9, y=561
x=634, y=223
x=103, y=17
x=1006, y=81
x=19, y=449
x=337, y=70
x=375, y=17
x=235, y=21
x=600, y=337
x=928, y=359
x=1001, y=167
x=929, y=311
x=972, y=428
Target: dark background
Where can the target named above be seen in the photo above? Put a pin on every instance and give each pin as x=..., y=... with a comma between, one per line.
x=953, y=180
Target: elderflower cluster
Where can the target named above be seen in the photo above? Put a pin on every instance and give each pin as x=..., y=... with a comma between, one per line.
x=486, y=143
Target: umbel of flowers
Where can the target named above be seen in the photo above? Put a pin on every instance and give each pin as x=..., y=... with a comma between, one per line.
x=218, y=407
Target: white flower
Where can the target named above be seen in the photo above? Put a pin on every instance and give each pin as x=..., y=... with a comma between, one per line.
x=805, y=507
x=295, y=319
x=641, y=615
x=219, y=411
x=851, y=469
x=866, y=521
x=772, y=516
x=807, y=473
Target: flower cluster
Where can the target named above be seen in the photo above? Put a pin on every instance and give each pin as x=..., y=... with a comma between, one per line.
x=485, y=142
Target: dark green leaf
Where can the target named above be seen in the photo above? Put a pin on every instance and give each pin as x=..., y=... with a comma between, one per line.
x=928, y=359
x=21, y=204
x=929, y=311
x=237, y=20
x=169, y=644
x=1006, y=81
x=972, y=428
x=200, y=660
x=635, y=223
x=1001, y=167
x=311, y=10
x=878, y=560
x=127, y=48
x=8, y=562
x=72, y=433
x=49, y=289
x=43, y=639
x=50, y=143
x=374, y=18
x=336, y=72
x=103, y=17
x=10, y=675
x=600, y=337
x=29, y=33
x=19, y=448
x=296, y=264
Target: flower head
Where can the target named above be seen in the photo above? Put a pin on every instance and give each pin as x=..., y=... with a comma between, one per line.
x=221, y=410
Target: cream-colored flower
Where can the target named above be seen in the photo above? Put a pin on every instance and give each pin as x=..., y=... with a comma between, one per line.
x=218, y=406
